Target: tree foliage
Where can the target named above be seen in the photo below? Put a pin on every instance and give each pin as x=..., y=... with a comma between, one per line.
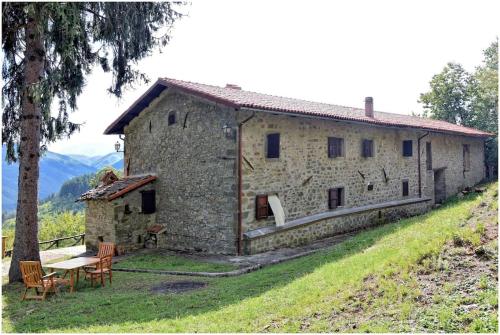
x=468, y=99
x=49, y=48
x=76, y=36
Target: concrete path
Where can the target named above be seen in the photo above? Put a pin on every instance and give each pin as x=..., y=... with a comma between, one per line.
x=47, y=256
x=245, y=263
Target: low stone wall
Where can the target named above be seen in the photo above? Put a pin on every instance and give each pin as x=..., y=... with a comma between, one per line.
x=308, y=232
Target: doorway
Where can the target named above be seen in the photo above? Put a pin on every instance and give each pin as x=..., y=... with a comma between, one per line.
x=439, y=186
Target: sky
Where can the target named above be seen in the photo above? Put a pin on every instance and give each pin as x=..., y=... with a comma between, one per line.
x=335, y=52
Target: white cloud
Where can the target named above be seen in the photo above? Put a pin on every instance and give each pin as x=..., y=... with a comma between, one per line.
x=336, y=52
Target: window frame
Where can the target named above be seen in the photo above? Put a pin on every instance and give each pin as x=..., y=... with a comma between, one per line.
x=364, y=143
x=407, y=150
x=145, y=208
x=268, y=211
x=331, y=153
x=428, y=156
x=339, y=197
x=268, y=136
x=407, y=183
x=172, y=114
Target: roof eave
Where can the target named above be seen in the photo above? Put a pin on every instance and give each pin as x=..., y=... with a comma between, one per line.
x=115, y=128
x=373, y=122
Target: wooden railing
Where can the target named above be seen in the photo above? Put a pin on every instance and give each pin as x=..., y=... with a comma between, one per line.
x=77, y=239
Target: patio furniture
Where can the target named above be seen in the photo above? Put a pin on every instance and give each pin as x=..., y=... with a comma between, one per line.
x=105, y=249
x=102, y=269
x=33, y=277
x=73, y=265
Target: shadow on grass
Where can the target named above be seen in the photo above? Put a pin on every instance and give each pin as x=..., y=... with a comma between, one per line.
x=130, y=300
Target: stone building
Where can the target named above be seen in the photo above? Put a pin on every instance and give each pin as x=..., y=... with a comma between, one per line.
x=223, y=170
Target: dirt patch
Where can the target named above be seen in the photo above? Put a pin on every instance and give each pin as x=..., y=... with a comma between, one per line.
x=177, y=287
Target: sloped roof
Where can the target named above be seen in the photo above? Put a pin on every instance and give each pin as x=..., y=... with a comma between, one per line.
x=245, y=99
x=117, y=188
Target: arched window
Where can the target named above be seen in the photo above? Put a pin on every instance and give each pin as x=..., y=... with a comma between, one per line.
x=172, y=118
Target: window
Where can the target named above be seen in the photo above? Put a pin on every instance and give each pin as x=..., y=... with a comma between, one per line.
x=367, y=148
x=273, y=145
x=428, y=155
x=466, y=157
x=406, y=189
x=335, y=197
x=171, y=118
x=262, y=208
x=335, y=147
x=407, y=148
x=148, y=202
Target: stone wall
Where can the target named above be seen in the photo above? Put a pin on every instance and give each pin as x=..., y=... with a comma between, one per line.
x=308, y=233
x=196, y=169
x=303, y=173
x=119, y=221
x=447, y=152
x=98, y=223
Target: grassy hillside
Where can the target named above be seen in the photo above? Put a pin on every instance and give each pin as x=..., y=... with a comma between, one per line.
x=377, y=281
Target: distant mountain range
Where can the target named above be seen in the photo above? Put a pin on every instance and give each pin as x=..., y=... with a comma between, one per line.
x=55, y=169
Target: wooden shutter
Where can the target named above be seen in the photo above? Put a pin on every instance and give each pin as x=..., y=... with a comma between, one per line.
x=148, y=202
x=405, y=188
x=408, y=148
x=261, y=207
x=273, y=145
x=428, y=155
x=335, y=147
x=333, y=199
x=367, y=150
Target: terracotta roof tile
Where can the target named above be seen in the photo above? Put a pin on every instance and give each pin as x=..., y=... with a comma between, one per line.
x=117, y=188
x=245, y=99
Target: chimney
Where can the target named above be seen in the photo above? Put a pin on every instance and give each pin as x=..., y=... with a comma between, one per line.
x=233, y=86
x=369, y=106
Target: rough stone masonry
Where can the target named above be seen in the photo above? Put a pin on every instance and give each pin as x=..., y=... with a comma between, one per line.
x=189, y=141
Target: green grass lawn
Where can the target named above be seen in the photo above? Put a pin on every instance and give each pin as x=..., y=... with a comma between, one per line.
x=279, y=298
x=159, y=261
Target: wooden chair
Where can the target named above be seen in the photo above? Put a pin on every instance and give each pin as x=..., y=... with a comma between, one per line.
x=102, y=269
x=33, y=278
x=105, y=249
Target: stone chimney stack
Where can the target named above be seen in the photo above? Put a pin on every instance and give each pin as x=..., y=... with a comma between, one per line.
x=369, y=106
x=233, y=86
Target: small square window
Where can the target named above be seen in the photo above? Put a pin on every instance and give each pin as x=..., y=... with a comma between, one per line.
x=407, y=148
x=273, y=145
x=406, y=190
x=148, y=202
x=367, y=148
x=335, y=147
x=335, y=197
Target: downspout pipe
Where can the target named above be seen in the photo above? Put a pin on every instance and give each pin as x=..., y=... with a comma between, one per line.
x=240, y=184
x=419, y=168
